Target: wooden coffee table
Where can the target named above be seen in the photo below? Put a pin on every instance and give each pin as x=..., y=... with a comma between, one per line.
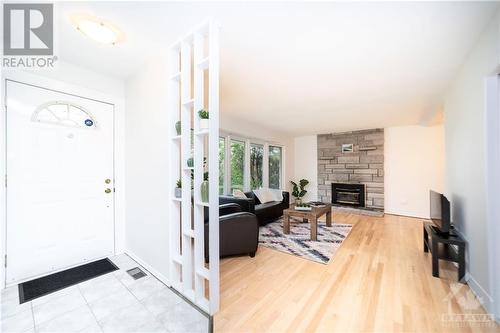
x=311, y=216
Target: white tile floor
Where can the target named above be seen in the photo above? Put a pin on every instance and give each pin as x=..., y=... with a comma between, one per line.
x=113, y=302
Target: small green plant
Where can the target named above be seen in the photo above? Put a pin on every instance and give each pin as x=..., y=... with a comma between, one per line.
x=203, y=114
x=179, y=183
x=299, y=191
x=178, y=127
x=302, y=205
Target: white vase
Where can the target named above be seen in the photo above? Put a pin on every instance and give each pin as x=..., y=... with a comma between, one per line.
x=203, y=124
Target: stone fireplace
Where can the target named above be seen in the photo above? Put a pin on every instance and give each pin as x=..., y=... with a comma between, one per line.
x=354, y=163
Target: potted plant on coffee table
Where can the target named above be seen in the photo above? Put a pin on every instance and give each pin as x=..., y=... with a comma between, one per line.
x=299, y=190
x=303, y=207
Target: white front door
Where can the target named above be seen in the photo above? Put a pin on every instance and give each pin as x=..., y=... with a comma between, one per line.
x=59, y=181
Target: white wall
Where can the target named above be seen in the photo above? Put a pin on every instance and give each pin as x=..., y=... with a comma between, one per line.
x=306, y=164
x=492, y=120
x=85, y=78
x=465, y=156
x=414, y=164
x=231, y=125
x=147, y=168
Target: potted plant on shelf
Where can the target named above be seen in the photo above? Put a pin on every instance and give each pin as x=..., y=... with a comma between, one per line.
x=205, y=177
x=299, y=191
x=178, y=189
x=178, y=127
x=203, y=114
x=204, y=187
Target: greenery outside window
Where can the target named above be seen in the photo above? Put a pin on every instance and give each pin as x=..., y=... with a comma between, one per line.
x=222, y=153
x=256, y=165
x=237, y=165
x=275, y=166
x=245, y=164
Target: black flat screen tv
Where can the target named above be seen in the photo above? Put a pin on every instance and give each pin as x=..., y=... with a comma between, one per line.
x=440, y=211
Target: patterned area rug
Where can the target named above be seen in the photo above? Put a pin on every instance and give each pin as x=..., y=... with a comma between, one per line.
x=299, y=243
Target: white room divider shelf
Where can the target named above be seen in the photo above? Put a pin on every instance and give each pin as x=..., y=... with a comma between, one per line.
x=202, y=132
x=188, y=103
x=194, y=62
x=176, y=76
x=203, y=64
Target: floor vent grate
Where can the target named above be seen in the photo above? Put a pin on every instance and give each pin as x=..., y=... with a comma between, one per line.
x=136, y=273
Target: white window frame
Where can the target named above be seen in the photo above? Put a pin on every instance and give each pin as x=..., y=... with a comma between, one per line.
x=246, y=175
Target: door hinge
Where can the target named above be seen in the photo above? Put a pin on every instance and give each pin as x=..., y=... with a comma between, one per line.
x=5, y=180
x=5, y=260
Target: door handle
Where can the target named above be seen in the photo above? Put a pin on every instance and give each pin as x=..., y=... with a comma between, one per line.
x=108, y=190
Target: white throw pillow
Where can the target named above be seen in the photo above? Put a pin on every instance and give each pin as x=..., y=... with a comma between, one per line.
x=264, y=195
x=278, y=194
x=239, y=194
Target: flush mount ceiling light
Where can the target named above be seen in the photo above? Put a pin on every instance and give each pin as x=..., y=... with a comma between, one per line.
x=97, y=29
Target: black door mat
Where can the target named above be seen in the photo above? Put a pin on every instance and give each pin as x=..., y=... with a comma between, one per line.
x=48, y=284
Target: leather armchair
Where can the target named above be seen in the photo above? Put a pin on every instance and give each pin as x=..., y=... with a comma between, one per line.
x=238, y=232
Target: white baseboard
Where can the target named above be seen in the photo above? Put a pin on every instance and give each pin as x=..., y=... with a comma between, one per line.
x=484, y=298
x=481, y=294
x=150, y=269
x=405, y=214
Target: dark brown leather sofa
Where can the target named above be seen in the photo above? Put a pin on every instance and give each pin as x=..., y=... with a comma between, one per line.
x=265, y=213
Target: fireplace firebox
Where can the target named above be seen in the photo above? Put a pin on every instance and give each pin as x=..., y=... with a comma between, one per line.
x=348, y=194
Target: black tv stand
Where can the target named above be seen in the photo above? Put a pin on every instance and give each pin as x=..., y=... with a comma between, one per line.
x=442, y=246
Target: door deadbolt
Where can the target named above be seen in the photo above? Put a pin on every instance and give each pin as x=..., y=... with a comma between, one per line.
x=108, y=190
x=107, y=181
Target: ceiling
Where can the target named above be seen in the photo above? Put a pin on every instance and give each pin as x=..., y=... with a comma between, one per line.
x=302, y=67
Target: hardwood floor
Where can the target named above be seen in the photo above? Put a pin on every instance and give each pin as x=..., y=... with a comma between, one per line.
x=379, y=281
